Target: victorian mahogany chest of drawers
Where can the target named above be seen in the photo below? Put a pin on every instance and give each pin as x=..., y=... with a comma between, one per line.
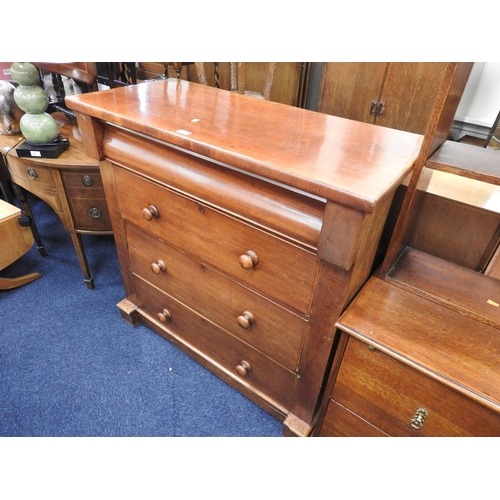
x=243, y=227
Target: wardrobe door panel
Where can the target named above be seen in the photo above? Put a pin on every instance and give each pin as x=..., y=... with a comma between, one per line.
x=408, y=95
x=348, y=89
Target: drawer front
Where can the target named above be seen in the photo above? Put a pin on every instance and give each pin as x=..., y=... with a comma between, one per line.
x=340, y=422
x=85, y=181
x=270, y=265
x=270, y=328
x=390, y=395
x=222, y=349
x=32, y=178
x=90, y=214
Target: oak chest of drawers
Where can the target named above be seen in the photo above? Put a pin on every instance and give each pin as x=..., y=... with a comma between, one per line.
x=407, y=365
x=243, y=227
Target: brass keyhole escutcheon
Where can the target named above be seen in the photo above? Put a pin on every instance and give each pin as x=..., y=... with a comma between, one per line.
x=417, y=422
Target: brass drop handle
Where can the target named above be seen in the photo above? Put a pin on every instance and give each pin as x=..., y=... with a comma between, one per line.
x=164, y=316
x=31, y=173
x=246, y=319
x=248, y=260
x=417, y=422
x=158, y=267
x=87, y=180
x=243, y=368
x=95, y=213
x=150, y=213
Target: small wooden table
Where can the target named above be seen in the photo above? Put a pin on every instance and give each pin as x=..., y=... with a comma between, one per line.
x=71, y=185
x=16, y=240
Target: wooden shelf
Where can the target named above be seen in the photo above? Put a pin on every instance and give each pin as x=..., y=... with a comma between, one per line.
x=467, y=161
x=450, y=285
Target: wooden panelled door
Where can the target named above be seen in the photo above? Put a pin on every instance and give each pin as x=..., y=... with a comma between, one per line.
x=394, y=95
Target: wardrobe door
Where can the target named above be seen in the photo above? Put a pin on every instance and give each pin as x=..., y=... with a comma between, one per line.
x=348, y=89
x=408, y=95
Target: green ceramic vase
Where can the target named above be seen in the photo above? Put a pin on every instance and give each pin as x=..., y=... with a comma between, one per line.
x=39, y=128
x=24, y=73
x=36, y=126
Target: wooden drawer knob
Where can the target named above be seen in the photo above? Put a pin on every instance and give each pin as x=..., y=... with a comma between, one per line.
x=150, y=213
x=158, y=267
x=246, y=319
x=243, y=368
x=164, y=316
x=248, y=260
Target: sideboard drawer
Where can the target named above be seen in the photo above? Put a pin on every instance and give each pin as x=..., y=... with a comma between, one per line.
x=272, y=265
x=242, y=361
x=36, y=176
x=85, y=181
x=257, y=321
x=90, y=214
x=404, y=402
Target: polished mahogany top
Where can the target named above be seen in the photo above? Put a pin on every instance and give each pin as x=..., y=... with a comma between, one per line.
x=349, y=162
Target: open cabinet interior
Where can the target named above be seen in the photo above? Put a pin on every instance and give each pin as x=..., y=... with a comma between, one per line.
x=419, y=345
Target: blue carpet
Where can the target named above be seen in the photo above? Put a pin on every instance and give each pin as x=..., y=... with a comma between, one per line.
x=71, y=366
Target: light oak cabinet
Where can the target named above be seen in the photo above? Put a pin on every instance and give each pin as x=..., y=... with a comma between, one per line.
x=419, y=345
x=396, y=95
x=243, y=227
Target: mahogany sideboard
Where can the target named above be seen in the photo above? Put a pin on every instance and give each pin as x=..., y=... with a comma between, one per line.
x=71, y=185
x=243, y=227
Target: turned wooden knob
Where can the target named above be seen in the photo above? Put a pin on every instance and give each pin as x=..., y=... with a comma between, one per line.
x=243, y=368
x=248, y=260
x=164, y=316
x=158, y=267
x=246, y=319
x=150, y=213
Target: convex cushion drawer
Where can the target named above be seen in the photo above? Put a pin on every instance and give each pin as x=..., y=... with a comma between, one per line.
x=267, y=263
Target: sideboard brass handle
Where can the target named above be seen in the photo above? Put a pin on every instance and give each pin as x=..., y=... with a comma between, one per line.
x=95, y=213
x=87, y=180
x=31, y=172
x=417, y=422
